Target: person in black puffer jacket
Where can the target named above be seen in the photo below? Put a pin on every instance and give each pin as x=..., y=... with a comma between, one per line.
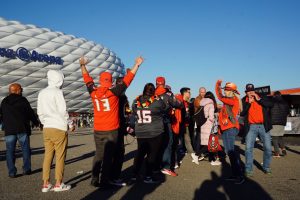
x=279, y=113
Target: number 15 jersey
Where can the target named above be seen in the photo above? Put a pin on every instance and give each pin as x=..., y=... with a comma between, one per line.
x=149, y=116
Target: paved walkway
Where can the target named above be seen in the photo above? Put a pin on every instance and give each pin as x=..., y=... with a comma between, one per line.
x=194, y=181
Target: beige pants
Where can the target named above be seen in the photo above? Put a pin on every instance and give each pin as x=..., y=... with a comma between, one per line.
x=55, y=140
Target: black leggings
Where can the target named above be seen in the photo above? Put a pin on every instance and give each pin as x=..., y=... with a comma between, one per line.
x=149, y=147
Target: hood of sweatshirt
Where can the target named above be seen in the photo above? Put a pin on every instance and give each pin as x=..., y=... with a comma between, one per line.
x=55, y=78
x=206, y=101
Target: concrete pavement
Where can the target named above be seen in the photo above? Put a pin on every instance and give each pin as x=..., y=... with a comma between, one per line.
x=194, y=181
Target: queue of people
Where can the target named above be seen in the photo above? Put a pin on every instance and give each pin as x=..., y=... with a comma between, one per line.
x=167, y=126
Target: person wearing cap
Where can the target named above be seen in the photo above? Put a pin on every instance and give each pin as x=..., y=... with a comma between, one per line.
x=257, y=122
x=16, y=115
x=105, y=100
x=229, y=126
x=167, y=148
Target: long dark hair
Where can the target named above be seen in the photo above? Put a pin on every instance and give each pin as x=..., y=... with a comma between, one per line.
x=211, y=96
x=149, y=90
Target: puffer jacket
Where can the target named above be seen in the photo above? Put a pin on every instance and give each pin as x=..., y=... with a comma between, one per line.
x=279, y=111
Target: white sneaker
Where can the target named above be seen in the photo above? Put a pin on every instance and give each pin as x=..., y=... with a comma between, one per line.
x=215, y=163
x=118, y=182
x=47, y=188
x=195, y=158
x=61, y=188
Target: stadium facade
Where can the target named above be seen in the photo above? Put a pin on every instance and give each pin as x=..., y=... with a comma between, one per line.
x=27, y=52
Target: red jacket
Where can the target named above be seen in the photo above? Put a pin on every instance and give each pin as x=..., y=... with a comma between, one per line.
x=224, y=121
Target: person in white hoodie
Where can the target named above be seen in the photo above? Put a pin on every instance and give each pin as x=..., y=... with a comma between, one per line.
x=52, y=112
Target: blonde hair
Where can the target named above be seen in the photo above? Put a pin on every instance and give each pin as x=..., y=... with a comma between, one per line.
x=240, y=101
x=234, y=94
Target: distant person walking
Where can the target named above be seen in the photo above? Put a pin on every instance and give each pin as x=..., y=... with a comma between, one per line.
x=52, y=111
x=16, y=114
x=279, y=113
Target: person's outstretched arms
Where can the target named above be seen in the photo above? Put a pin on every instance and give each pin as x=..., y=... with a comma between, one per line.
x=85, y=74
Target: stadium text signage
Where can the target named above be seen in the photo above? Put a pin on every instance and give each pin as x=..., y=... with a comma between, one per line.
x=27, y=56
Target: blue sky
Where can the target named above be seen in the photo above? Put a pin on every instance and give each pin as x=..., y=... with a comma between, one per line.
x=191, y=43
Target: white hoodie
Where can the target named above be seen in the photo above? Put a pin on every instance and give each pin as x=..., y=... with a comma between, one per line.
x=51, y=105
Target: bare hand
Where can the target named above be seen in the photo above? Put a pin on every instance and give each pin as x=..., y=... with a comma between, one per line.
x=83, y=60
x=256, y=96
x=139, y=60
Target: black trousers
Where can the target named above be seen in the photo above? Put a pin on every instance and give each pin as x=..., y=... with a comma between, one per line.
x=118, y=156
x=106, y=142
x=149, y=147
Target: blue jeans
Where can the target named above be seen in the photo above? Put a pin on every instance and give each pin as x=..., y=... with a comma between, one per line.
x=11, y=141
x=168, y=145
x=254, y=131
x=228, y=137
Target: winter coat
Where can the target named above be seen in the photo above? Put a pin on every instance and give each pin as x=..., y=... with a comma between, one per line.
x=279, y=111
x=208, y=106
x=16, y=114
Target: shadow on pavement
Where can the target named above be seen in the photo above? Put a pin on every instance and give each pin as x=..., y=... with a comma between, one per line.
x=70, y=161
x=34, y=151
x=137, y=190
x=218, y=189
x=292, y=150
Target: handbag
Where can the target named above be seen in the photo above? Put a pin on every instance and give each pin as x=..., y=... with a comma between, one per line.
x=213, y=143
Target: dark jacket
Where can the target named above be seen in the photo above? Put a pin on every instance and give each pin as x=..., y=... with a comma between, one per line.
x=16, y=114
x=266, y=104
x=171, y=102
x=279, y=111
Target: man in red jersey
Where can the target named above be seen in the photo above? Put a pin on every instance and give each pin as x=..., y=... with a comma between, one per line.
x=105, y=99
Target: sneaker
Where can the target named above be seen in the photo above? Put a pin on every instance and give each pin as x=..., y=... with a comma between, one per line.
x=201, y=158
x=12, y=175
x=169, y=172
x=118, y=182
x=215, y=163
x=249, y=174
x=95, y=183
x=239, y=180
x=284, y=152
x=176, y=166
x=28, y=172
x=276, y=155
x=268, y=172
x=150, y=180
x=195, y=158
x=62, y=187
x=231, y=178
x=47, y=188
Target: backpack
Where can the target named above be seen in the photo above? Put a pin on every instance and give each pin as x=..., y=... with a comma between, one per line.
x=199, y=117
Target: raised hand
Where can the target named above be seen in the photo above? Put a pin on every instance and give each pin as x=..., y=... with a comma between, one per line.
x=139, y=60
x=83, y=60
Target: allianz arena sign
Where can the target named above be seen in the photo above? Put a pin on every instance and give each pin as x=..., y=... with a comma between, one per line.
x=25, y=55
x=27, y=52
